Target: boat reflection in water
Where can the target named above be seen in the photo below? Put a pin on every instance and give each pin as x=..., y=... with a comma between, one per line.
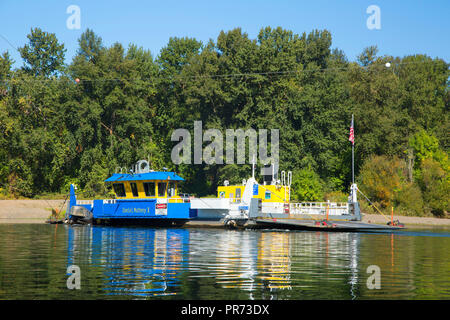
x=141, y=262
x=215, y=264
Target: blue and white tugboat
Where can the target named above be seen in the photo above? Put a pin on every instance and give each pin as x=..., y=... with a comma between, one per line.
x=143, y=196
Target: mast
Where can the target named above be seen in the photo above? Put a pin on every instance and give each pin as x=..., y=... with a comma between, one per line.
x=351, y=138
x=253, y=167
x=353, y=153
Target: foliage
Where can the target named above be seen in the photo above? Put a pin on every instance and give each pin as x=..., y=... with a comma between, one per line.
x=113, y=105
x=307, y=186
x=381, y=178
x=336, y=196
x=408, y=200
x=43, y=54
x=426, y=146
x=384, y=181
x=435, y=183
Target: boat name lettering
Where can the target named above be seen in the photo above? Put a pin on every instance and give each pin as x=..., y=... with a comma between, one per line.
x=135, y=210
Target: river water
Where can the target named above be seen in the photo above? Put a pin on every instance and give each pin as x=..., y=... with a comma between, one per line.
x=207, y=263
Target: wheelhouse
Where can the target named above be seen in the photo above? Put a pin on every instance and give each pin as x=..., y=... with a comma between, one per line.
x=153, y=184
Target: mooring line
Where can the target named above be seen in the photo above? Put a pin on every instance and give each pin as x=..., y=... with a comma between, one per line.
x=371, y=203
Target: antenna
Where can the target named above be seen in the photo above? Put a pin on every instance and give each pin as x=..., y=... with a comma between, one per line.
x=352, y=136
x=272, y=166
x=253, y=167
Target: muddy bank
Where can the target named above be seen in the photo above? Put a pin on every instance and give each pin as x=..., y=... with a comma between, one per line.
x=408, y=221
x=28, y=211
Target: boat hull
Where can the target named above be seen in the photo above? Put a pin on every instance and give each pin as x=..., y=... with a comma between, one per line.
x=122, y=211
x=322, y=225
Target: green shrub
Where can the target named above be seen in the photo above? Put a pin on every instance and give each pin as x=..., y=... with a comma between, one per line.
x=380, y=178
x=408, y=200
x=307, y=186
x=336, y=196
x=435, y=184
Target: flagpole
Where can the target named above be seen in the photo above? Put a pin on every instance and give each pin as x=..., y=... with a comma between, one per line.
x=353, y=158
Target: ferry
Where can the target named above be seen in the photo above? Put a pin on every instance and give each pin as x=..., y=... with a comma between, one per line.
x=152, y=197
x=143, y=196
x=257, y=203
x=232, y=204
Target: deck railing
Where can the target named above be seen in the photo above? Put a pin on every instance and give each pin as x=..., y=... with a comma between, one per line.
x=90, y=202
x=313, y=208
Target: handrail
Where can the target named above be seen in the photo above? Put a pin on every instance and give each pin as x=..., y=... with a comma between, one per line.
x=318, y=208
x=320, y=204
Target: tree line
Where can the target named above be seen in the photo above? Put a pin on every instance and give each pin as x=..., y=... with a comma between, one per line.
x=112, y=105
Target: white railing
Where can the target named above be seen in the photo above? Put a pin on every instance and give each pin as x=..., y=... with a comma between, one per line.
x=272, y=207
x=90, y=202
x=319, y=208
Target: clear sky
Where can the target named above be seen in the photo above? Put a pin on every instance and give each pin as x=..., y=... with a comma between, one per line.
x=407, y=27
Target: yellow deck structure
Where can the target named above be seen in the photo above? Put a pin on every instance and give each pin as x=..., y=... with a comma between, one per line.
x=267, y=193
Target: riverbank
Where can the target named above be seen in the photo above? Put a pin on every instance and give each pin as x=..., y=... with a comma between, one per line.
x=28, y=211
x=408, y=221
x=38, y=211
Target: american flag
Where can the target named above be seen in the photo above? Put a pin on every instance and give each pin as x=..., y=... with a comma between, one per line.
x=352, y=134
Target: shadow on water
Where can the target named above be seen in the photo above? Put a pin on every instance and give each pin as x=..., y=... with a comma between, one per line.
x=417, y=232
x=178, y=263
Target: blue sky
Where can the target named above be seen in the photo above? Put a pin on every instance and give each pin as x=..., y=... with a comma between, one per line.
x=407, y=27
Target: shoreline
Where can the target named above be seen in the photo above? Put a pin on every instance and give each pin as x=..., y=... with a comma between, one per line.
x=28, y=211
x=409, y=222
x=38, y=211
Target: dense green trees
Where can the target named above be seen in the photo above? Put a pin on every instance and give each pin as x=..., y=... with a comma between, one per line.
x=111, y=106
x=43, y=55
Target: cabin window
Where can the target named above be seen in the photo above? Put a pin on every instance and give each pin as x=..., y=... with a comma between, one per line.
x=171, y=190
x=149, y=189
x=238, y=193
x=134, y=189
x=267, y=195
x=162, y=189
x=119, y=189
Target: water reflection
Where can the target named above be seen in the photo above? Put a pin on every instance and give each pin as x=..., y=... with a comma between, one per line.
x=141, y=262
x=146, y=263
x=261, y=264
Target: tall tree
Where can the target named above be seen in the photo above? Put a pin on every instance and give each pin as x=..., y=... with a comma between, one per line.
x=90, y=45
x=5, y=65
x=43, y=55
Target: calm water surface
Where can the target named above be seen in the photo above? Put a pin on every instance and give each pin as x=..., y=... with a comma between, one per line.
x=189, y=263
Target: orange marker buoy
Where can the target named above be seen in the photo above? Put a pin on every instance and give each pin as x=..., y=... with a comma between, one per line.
x=392, y=215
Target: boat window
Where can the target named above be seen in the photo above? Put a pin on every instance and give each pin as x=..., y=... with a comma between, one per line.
x=149, y=189
x=162, y=189
x=171, y=190
x=238, y=193
x=134, y=189
x=267, y=195
x=119, y=189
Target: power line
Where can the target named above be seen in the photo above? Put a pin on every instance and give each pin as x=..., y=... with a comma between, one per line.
x=231, y=75
x=4, y=38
